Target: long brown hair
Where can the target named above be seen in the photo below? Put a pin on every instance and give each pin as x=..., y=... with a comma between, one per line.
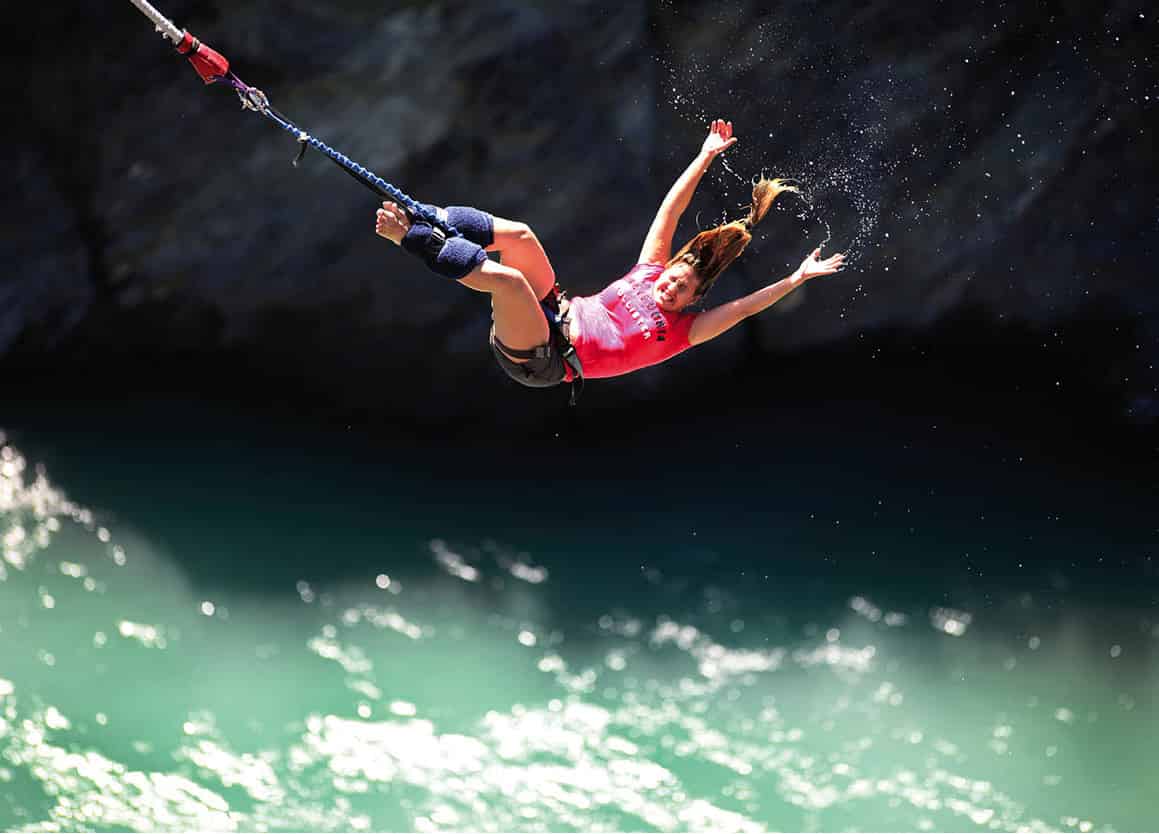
x=711, y=251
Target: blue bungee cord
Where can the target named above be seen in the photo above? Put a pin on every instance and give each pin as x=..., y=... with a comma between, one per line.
x=212, y=66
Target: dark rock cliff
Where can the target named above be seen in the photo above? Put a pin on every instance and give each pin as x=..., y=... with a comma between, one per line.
x=987, y=166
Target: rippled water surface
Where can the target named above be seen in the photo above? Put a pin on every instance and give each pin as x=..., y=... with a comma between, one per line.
x=270, y=638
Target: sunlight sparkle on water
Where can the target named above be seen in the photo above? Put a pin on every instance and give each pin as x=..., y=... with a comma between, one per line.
x=452, y=562
x=950, y=621
x=149, y=636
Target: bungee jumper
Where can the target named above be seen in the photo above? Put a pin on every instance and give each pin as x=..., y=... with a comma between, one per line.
x=540, y=339
x=538, y=336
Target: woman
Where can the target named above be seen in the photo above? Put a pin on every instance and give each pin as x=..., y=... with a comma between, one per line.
x=638, y=320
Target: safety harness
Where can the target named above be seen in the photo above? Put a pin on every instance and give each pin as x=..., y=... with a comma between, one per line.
x=556, y=307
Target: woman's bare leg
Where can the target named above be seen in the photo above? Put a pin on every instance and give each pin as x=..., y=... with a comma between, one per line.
x=521, y=249
x=519, y=320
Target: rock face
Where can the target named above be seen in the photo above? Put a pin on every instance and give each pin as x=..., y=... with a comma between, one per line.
x=990, y=160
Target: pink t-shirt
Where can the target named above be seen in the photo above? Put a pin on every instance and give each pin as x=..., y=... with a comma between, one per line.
x=623, y=329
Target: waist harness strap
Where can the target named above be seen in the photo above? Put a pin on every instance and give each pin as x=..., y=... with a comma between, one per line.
x=556, y=308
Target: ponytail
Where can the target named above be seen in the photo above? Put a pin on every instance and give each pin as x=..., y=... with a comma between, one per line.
x=764, y=192
x=711, y=251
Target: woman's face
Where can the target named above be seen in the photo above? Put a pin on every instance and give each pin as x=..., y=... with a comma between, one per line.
x=676, y=287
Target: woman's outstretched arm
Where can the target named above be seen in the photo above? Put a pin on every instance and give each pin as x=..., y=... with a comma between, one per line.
x=710, y=324
x=658, y=244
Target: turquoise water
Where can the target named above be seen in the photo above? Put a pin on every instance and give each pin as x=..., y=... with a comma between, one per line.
x=217, y=626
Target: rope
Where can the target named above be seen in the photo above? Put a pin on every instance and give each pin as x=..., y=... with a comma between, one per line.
x=254, y=99
x=163, y=24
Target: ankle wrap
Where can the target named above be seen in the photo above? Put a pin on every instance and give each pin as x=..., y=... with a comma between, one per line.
x=476, y=226
x=453, y=257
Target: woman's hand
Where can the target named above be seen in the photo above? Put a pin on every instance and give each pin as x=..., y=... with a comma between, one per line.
x=719, y=139
x=813, y=266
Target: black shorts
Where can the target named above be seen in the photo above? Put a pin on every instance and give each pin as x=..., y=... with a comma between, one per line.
x=543, y=371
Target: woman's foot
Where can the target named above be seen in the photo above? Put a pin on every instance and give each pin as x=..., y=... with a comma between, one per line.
x=391, y=223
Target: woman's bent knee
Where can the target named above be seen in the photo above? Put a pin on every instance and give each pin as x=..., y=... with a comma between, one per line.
x=512, y=231
x=498, y=279
x=524, y=233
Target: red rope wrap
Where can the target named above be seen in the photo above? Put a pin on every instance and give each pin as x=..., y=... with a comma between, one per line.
x=210, y=64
